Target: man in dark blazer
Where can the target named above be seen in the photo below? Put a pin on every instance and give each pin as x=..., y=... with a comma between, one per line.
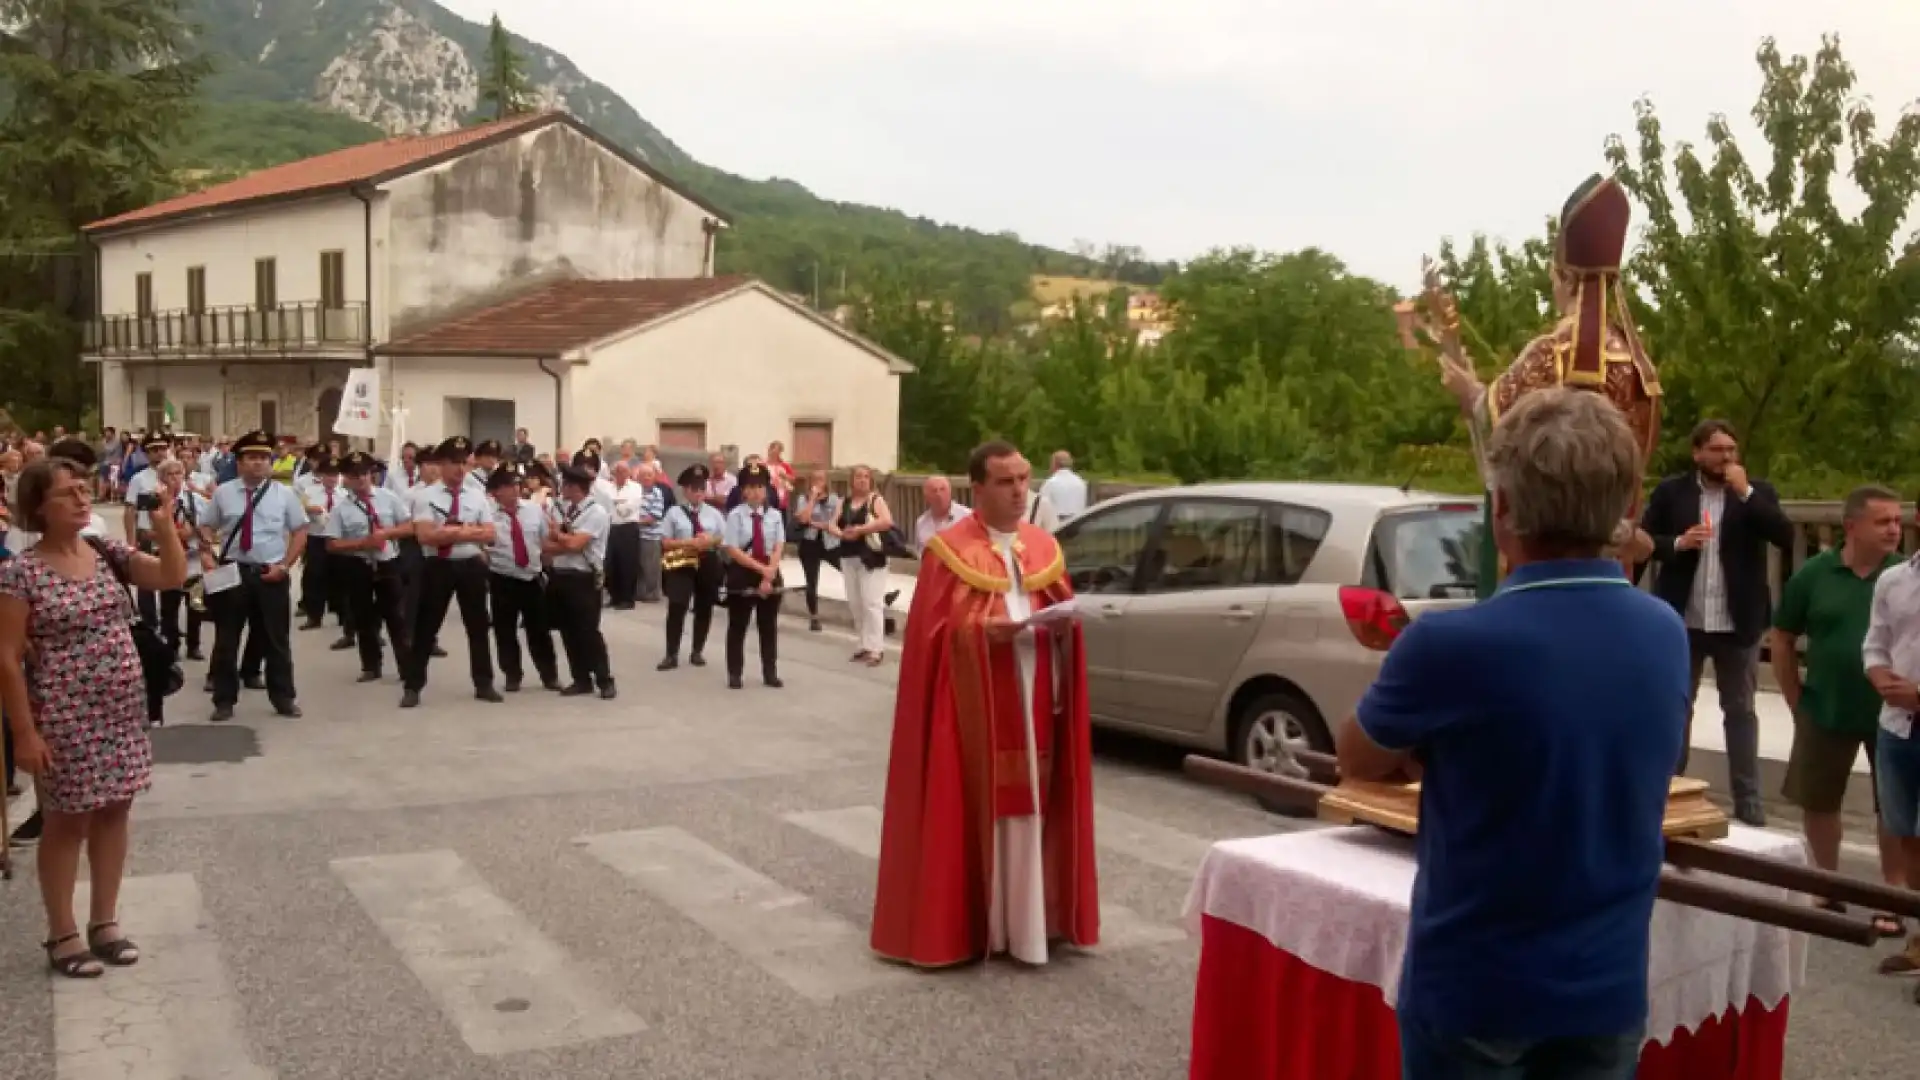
x=1710, y=528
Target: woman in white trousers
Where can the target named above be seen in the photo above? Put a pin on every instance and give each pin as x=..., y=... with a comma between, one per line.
x=860, y=526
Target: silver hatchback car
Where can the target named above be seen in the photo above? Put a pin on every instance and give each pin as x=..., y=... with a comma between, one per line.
x=1248, y=618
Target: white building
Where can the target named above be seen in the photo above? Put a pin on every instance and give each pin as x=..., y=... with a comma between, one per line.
x=523, y=273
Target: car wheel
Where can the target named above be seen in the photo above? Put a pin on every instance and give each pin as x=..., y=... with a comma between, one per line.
x=1269, y=729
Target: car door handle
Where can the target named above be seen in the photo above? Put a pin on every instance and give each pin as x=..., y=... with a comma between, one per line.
x=1236, y=614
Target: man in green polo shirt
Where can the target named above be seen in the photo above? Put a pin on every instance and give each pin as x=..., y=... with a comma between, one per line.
x=1836, y=711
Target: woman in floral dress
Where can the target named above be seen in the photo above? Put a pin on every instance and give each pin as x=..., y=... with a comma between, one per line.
x=76, y=700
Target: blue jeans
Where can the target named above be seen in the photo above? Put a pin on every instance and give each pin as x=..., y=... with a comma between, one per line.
x=1897, y=775
x=1430, y=1055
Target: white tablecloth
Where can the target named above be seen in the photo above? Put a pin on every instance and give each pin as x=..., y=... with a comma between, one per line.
x=1339, y=899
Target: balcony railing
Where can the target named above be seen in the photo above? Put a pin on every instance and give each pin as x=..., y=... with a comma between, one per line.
x=242, y=330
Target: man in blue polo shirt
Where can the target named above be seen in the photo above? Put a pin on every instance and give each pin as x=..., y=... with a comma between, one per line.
x=1544, y=722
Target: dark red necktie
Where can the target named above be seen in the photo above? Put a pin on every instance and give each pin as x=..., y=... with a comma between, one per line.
x=759, y=538
x=695, y=516
x=453, y=518
x=329, y=500
x=520, y=557
x=246, y=524
x=373, y=516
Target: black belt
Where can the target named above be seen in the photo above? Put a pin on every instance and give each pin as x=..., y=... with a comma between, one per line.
x=568, y=571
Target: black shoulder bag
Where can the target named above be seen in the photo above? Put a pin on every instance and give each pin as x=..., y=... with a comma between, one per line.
x=157, y=661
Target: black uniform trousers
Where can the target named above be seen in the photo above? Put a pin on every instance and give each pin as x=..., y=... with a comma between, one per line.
x=443, y=581
x=623, y=564
x=413, y=574
x=696, y=587
x=371, y=593
x=172, y=602
x=575, y=611
x=263, y=611
x=744, y=605
x=521, y=604
x=319, y=593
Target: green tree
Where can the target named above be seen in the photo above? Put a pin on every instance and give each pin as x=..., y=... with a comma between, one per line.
x=1762, y=301
x=504, y=83
x=92, y=94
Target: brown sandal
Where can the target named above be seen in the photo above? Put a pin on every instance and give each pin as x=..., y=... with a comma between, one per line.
x=120, y=952
x=79, y=965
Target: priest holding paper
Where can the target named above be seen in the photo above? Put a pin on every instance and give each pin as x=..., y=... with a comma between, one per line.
x=987, y=845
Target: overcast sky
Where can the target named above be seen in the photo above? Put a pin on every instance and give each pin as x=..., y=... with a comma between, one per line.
x=1368, y=127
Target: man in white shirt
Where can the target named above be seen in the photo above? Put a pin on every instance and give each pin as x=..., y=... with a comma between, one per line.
x=626, y=504
x=1064, y=488
x=942, y=511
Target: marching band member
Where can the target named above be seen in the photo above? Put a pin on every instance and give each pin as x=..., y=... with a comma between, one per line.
x=454, y=525
x=404, y=475
x=320, y=491
x=514, y=581
x=692, y=531
x=486, y=458
x=576, y=550
x=189, y=507
x=366, y=522
x=752, y=540
x=258, y=525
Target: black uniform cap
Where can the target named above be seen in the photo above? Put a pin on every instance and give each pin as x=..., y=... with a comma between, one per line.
x=754, y=475
x=254, y=442
x=504, y=476
x=358, y=463
x=488, y=448
x=577, y=476
x=456, y=449
x=694, y=476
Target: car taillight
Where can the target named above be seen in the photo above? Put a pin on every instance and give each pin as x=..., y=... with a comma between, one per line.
x=1375, y=617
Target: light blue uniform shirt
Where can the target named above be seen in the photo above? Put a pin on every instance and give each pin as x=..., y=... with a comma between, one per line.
x=314, y=494
x=739, y=530
x=434, y=508
x=679, y=523
x=399, y=482
x=533, y=529
x=350, y=521
x=589, y=517
x=144, y=482
x=277, y=517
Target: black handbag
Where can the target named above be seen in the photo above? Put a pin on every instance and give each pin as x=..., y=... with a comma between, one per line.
x=157, y=662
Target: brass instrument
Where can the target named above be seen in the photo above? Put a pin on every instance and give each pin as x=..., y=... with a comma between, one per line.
x=680, y=558
x=196, y=596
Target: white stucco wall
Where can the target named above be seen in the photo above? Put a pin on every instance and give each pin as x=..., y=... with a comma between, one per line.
x=546, y=204
x=292, y=234
x=748, y=367
x=425, y=387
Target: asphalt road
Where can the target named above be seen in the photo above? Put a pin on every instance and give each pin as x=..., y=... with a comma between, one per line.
x=673, y=884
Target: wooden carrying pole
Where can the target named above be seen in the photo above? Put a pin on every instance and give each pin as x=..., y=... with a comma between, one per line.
x=1674, y=886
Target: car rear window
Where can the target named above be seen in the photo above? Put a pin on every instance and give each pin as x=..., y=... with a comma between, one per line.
x=1428, y=554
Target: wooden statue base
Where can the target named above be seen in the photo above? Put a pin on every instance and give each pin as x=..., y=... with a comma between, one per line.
x=1396, y=807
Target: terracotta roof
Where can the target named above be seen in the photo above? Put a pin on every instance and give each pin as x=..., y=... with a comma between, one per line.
x=370, y=163
x=555, y=319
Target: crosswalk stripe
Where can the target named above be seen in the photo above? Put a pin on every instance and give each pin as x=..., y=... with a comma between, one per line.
x=857, y=828
x=815, y=952
x=173, y=1015
x=1148, y=841
x=503, y=984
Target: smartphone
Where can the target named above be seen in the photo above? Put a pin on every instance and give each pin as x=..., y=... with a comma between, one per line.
x=147, y=502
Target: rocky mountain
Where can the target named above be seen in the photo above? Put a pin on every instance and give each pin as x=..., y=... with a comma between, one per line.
x=404, y=66
x=300, y=77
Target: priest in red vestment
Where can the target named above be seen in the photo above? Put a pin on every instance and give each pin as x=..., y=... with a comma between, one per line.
x=987, y=845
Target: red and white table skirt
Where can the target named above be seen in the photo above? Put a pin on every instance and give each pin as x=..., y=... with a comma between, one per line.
x=1302, y=936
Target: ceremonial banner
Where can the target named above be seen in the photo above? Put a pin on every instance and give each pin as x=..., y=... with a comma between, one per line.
x=360, y=405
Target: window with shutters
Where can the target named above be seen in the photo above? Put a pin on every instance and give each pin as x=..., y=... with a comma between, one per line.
x=682, y=435
x=156, y=409
x=199, y=419
x=333, y=280
x=143, y=295
x=812, y=444
x=196, y=290
x=266, y=286
x=270, y=415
